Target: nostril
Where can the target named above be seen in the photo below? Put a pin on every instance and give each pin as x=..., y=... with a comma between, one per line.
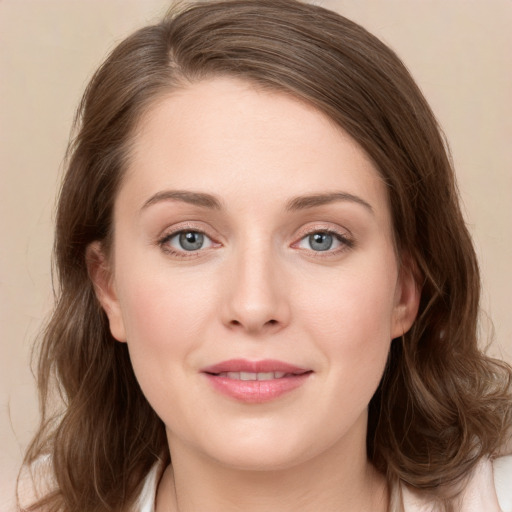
x=238, y=323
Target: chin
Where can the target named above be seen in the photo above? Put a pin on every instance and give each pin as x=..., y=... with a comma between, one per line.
x=259, y=460
x=263, y=452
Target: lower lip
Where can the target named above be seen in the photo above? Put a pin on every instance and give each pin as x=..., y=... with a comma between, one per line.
x=256, y=391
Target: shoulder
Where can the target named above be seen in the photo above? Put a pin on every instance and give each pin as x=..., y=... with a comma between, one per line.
x=489, y=488
x=34, y=482
x=502, y=469
x=147, y=497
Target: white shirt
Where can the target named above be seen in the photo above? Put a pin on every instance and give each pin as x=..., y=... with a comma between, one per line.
x=488, y=490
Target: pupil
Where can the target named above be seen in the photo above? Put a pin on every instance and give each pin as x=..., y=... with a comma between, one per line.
x=191, y=240
x=320, y=241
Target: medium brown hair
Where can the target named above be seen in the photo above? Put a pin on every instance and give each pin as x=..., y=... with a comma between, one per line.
x=441, y=405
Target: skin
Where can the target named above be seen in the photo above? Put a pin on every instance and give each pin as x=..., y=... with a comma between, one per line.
x=256, y=290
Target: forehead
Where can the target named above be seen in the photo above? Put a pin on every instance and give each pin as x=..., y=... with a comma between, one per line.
x=227, y=136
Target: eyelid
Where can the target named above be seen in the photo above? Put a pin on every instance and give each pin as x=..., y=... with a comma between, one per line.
x=342, y=235
x=185, y=227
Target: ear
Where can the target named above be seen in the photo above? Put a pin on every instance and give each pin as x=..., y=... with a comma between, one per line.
x=102, y=279
x=407, y=298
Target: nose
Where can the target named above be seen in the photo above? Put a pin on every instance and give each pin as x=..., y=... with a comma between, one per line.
x=256, y=293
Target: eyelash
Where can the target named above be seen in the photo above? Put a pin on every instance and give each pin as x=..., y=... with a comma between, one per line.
x=164, y=242
x=345, y=241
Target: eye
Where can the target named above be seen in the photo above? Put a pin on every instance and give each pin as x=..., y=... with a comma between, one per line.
x=321, y=241
x=186, y=240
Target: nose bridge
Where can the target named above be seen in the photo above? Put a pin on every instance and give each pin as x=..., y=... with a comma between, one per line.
x=256, y=299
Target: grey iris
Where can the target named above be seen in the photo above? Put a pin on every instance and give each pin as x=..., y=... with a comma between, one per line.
x=191, y=240
x=320, y=241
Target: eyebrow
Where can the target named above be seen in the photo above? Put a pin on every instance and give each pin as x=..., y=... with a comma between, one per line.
x=195, y=198
x=313, y=200
x=297, y=203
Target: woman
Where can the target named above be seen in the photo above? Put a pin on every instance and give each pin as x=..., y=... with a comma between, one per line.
x=268, y=295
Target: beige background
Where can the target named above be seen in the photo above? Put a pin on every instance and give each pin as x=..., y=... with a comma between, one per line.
x=458, y=50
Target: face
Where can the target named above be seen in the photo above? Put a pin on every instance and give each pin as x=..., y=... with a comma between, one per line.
x=253, y=275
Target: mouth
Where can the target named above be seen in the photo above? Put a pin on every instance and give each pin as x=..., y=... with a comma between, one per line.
x=250, y=376
x=255, y=381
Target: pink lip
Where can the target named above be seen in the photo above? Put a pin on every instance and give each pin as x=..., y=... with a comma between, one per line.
x=255, y=391
x=243, y=365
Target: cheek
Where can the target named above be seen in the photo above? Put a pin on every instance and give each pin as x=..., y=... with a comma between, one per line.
x=164, y=315
x=161, y=307
x=351, y=307
x=164, y=327
x=350, y=317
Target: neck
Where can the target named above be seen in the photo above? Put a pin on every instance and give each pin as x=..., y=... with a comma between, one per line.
x=339, y=480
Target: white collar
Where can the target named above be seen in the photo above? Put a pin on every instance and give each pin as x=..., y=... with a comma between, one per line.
x=489, y=489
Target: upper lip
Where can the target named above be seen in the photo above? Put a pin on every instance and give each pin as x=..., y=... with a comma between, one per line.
x=262, y=366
